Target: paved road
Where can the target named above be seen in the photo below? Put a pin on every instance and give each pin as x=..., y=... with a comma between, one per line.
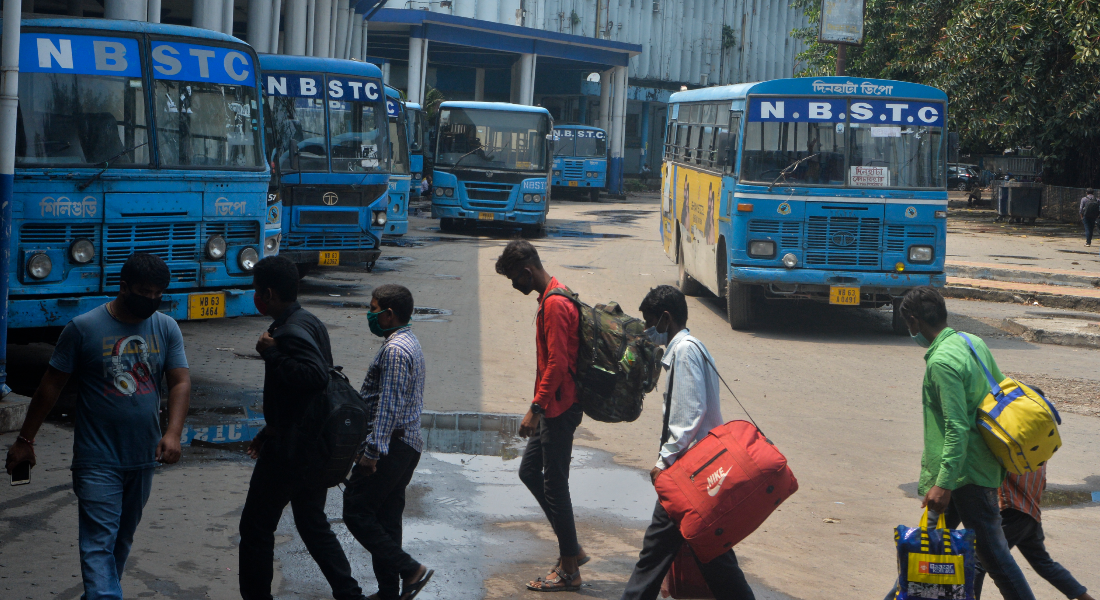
x=832, y=387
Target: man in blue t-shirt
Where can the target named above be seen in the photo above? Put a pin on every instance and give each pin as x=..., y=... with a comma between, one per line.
x=118, y=354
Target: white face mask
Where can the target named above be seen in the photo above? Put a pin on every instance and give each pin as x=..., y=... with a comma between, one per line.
x=660, y=339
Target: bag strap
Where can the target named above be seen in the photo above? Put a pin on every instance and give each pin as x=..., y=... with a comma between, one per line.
x=668, y=397
x=665, y=431
x=994, y=387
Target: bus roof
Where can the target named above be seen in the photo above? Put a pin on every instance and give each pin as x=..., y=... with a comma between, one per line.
x=309, y=64
x=131, y=27
x=393, y=93
x=502, y=106
x=581, y=127
x=813, y=86
x=413, y=106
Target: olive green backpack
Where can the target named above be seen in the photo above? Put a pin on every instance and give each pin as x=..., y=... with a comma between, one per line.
x=616, y=364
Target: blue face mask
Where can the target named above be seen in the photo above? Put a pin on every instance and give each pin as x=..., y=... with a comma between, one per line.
x=660, y=339
x=921, y=340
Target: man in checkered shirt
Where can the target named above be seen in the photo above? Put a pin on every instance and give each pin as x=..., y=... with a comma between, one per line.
x=375, y=496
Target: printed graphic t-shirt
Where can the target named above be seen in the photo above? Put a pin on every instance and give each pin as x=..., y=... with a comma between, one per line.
x=118, y=367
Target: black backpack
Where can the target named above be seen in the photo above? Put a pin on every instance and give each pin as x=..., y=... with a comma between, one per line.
x=326, y=440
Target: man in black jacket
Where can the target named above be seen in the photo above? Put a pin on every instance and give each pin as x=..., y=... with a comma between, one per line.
x=297, y=357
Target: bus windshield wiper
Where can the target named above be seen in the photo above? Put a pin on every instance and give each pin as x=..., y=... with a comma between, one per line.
x=479, y=148
x=107, y=165
x=790, y=169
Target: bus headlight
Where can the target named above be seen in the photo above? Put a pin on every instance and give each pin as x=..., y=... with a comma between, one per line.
x=417, y=176
x=557, y=173
x=248, y=258
x=438, y=191
x=449, y=192
x=762, y=249
x=528, y=198
x=215, y=247
x=39, y=266
x=379, y=217
x=790, y=260
x=271, y=245
x=536, y=198
x=396, y=207
x=82, y=251
x=592, y=174
x=921, y=254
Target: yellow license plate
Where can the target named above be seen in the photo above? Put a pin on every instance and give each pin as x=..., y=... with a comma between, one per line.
x=329, y=259
x=574, y=183
x=848, y=296
x=482, y=216
x=206, y=306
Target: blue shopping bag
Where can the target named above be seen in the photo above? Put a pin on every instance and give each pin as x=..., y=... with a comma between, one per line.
x=935, y=563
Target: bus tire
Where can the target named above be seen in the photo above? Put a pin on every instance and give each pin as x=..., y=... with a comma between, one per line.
x=594, y=195
x=739, y=305
x=897, y=321
x=447, y=224
x=685, y=282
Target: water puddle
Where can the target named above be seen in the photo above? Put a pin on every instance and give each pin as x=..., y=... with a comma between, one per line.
x=425, y=314
x=1016, y=257
x=1078, y=252
x=582, y=267
x=557, y=231
x=620, y=217
x=1054, y=497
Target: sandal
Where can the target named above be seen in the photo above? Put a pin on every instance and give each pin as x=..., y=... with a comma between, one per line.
x=563, y=583
x=412, y=590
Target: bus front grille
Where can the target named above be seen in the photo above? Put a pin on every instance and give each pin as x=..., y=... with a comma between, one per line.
x=899, y=237
x=320, y=241
x=843, y=242
x=57, y=234
x=170, y=241
x=573, y=169
x=234, y=232
x=180, y=275
x=788, y=232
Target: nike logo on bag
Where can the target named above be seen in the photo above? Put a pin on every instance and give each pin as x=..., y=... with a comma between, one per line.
x=715, y=481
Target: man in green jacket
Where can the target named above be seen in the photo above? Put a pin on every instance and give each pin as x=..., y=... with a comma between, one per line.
x=959, y=475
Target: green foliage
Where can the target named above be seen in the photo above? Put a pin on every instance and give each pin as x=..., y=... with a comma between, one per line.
x=729, y=38
x=432, y=99
x=1017, y=72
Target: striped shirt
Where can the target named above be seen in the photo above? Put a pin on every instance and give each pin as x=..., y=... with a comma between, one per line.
x=394, y=392
x=1023, y=492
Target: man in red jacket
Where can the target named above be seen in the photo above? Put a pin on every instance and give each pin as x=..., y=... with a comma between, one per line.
x=554, y=414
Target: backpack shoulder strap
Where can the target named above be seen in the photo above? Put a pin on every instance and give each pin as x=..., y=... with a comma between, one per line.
x=665, y=431
x=994, y=387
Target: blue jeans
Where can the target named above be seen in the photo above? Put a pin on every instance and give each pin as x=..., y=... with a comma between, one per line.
x=977, y=509
x=110, y=502
x=1026, y=534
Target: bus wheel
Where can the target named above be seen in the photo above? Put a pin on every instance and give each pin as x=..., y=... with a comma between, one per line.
x=739, y=308
x=447, y=224
x=897, y=322
x=303, y=270
x=594, y=195
x=685, y=282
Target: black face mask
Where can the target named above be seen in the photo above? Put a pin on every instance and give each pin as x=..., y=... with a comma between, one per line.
x=140, y=306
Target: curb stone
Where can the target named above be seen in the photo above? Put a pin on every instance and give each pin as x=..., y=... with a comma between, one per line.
x=1082, y=338
x=13, y=409
x=1066, y=301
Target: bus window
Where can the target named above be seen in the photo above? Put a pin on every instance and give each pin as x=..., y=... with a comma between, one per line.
x=500, y=140
x=591, y=144
x=564, y=144
x=772, y=149
x=913, y=156
x=81, y=120
x=706, y=145
x=206, y=124
x=299, y=126
x=670, y=141
x=356, y=134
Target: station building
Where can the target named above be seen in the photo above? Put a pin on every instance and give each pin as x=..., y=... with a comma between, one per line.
x=607, y=63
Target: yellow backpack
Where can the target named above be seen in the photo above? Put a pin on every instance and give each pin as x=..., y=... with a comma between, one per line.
x=1018, y=424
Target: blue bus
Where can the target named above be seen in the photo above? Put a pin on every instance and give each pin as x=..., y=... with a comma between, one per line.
x=400, y=177
x=416, y=119
x=491, y=165
x=832, y=189
x=135, y=137
x=328, y=145
x=580, y=160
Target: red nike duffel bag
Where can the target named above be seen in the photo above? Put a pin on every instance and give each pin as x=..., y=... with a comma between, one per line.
x=724, y=487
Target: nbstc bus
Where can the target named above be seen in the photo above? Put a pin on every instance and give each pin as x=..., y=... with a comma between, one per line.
x=400, y=176
x=830, y=189
x=580, y=160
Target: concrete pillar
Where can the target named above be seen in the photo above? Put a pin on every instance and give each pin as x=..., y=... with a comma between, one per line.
x=645, y=134
x=259, y=25
x=227, y=17
x=153, y=14
x=386, y=72
x=366, y=40
x=207, y=14
x=341, y=36
x=322, y=21
x=415, y=56
x=333, y=12
x=126, y=10
x=527, y=79
x=605, y=100
x=479, y=85
x=294, y=33
x=311, y=19
x=273, y=42
x=423, y=71
x=356, y=49
x=618, y=123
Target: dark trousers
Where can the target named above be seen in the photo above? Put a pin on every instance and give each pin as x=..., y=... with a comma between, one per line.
x=977, y=509
x=1090, y=223
x=545, y=471
x=373, y=505
x=1025, y=533
x=273, y=486
x=659, y=548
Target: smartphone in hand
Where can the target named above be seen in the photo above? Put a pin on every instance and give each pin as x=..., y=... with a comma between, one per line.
x=21, y=474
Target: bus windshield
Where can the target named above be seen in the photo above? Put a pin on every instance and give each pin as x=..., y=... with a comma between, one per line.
x=81, y=120
x=564, y=142
x=496, y=139
x=357, y=135
x=298, y=127
x=416, y=129
x=591, y=144
x=207, y=125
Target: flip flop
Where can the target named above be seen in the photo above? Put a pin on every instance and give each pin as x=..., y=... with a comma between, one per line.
x=565, y=581
x=415, y=588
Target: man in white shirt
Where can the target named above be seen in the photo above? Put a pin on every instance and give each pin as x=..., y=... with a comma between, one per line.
x=692, y=409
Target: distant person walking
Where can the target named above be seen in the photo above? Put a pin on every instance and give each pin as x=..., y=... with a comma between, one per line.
x=297, y=357
x=694, y=408
x=1090, y=212
x=645, y=171
x=554, y=414
x=1022, y=522
x=117, y=353
x=374, y=499
x=959, y=475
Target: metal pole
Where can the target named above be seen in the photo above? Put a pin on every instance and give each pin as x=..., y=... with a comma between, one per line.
x=9, y=105
x=841, y=59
